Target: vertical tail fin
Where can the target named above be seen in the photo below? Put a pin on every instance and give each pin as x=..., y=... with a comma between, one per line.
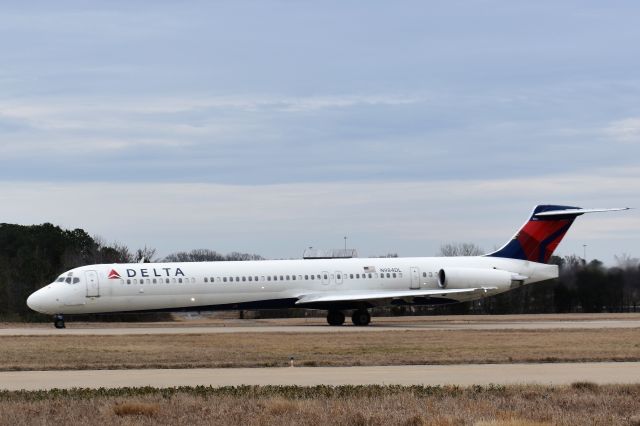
x=542, y=233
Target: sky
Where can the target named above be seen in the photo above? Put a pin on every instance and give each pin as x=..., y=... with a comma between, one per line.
x=271, y=126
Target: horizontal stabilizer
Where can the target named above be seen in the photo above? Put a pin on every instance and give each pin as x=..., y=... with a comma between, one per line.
x=577, y=211
x=356, y=296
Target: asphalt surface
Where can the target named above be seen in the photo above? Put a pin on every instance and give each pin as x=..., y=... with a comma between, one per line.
x=106, y=330
x=463, y=375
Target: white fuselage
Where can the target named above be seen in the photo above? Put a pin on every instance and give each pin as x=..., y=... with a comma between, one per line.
x=267, y=283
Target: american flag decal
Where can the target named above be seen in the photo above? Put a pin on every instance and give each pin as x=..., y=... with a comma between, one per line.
x=369, y=268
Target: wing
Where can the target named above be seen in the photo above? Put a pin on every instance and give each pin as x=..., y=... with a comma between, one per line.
x=368, y=295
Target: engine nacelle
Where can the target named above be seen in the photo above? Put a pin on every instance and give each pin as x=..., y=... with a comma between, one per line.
x=474, y=277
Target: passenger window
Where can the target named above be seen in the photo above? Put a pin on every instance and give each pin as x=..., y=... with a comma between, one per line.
x=357, y=275
x=180, y=280
x=326, y=277
x=300, y=277
x=281, y=278
x=312, y=277
x=255, y=278
x=128, y=281
x=268, y=277
x=275, y=278
x=394, y=275
x=424, y=274
x=237, y=279
x=224, y=279
x=174, y=280
x=244, y=278
x=351, y=276
x=206, y=280
x=338, y=276
x=306, y=277
x=430, y=274
x=293, y=277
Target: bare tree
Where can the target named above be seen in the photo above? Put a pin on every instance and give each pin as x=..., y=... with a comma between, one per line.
x=625, y=261
x=145, y=255
x=460, y=249
x=197, y=255
x=206, y=255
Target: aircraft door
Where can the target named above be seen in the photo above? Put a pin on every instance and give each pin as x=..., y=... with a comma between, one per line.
x=93, y=285
x=415, y=278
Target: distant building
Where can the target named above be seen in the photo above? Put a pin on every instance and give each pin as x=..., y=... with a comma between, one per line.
x=314, y=253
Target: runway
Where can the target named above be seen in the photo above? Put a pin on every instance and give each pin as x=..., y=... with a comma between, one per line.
x=462, y=375
x=315, y=326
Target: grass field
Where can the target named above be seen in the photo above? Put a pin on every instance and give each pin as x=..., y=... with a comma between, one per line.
x=578, y=404
x=317, y=349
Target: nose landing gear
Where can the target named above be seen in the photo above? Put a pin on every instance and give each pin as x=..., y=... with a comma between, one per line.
x=58, y=321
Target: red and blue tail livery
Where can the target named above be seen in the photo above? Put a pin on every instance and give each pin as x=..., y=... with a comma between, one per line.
x=539, y=237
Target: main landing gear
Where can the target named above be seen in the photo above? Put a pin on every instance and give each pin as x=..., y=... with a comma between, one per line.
x=335, y=318
x=359, y=317
x=58, y=321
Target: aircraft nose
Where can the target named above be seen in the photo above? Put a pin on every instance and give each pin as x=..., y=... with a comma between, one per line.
x=37, y=302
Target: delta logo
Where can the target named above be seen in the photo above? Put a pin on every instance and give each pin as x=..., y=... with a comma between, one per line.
x=147, y=272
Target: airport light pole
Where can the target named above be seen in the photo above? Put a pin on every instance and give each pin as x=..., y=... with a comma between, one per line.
x=584, y=247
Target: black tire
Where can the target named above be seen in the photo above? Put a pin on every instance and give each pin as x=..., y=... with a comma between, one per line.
x=335, y=318
x=360, y=317
x=58, y=321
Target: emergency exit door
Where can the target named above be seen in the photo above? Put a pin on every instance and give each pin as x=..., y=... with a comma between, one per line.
x=415, y=278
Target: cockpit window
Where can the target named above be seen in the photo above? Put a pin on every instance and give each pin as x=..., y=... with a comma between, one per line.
x=67, y=280
x=60, y=280
x=76, y=280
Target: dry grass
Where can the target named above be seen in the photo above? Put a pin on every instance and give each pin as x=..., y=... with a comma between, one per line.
x=482, y=406
x=317, y=349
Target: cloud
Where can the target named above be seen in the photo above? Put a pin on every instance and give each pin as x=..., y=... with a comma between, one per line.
x=412, y=218
x=626, y=131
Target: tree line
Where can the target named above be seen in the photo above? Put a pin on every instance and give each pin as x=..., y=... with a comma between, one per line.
x=32, y=256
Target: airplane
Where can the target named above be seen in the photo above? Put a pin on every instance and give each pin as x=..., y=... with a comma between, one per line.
x=334, y=285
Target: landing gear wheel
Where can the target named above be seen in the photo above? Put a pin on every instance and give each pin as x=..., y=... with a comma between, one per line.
x=360, y=317
x=58, y=321
x=335, y=318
